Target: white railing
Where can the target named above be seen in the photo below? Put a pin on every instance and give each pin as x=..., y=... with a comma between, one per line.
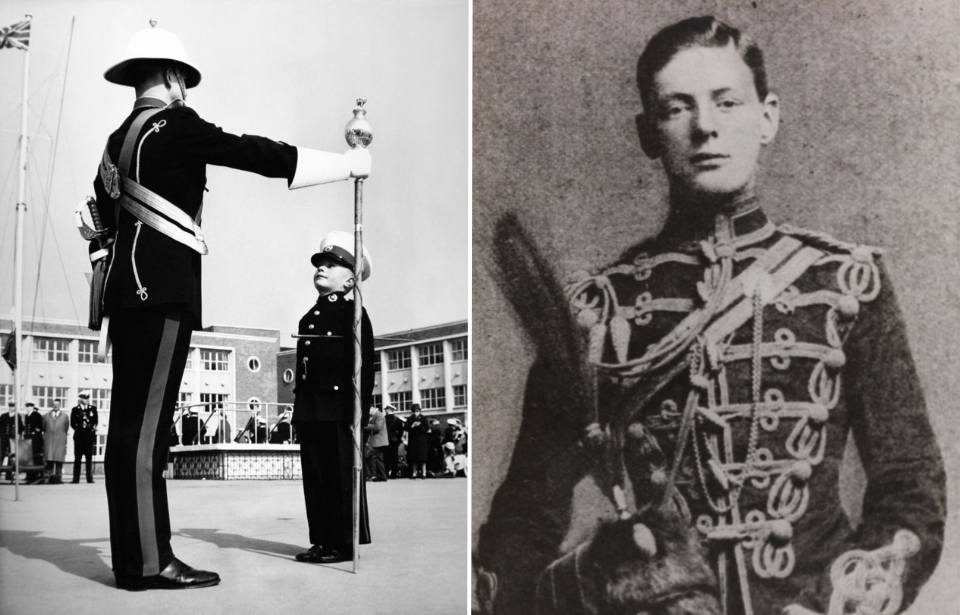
x=233, y=423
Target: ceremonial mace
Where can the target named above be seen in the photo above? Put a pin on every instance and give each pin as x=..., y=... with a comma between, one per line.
x=359, y=134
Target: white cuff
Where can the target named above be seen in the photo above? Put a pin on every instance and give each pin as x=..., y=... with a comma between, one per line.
x=316, y=167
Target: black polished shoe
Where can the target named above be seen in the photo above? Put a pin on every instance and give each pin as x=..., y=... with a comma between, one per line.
x=311, y=555
x=175, y=576
x=321, y=555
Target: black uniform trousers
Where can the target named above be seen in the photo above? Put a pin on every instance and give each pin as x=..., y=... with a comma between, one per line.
x=83, y=447
x=149, y=354
x=326, y=456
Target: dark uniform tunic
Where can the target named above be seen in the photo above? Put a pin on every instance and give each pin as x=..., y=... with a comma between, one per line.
x=775, y=393
x=153, y=298
x=84, y=423
x=34, y=431
x=323, y=415
x=8, y=432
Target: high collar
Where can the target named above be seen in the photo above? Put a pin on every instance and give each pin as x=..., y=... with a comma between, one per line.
x=150, y=102
x=740, y=221
x=332, y=297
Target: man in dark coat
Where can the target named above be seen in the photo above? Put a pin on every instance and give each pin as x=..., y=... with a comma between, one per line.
x=83, y=419
x=33, y=425
x=733, y=358
x=395, y=438
x=323, y=412
x=11, y=423
x=149, y=191
x=418, y=442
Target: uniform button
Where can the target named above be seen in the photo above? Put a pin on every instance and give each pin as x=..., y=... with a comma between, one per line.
x=316, y=312
x=307, y=343
x=336, y=388
x=303, y=377
x=848, y=306
x=835, y=358
x=819, y=414
x=310, y=327
x=329, y=332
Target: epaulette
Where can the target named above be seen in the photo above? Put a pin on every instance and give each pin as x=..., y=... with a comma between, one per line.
x=825, y=241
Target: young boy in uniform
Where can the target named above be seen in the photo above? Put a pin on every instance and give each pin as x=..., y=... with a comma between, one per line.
x=323, y=411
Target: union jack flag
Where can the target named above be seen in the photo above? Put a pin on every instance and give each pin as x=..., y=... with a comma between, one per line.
x=16, y=36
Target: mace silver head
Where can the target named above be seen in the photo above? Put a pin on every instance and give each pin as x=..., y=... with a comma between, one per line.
x=358, y=132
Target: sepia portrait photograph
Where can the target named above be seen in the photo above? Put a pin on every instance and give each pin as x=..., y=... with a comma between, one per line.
x=234, y=306
x=715, y=262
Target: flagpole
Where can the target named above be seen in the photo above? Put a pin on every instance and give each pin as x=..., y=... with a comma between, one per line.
x=18, y=268
x=359, y=135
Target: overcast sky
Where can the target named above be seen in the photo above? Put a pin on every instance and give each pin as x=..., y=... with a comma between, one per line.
x=288, y=70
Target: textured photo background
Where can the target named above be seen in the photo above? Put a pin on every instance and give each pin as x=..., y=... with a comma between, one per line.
x=868, y=150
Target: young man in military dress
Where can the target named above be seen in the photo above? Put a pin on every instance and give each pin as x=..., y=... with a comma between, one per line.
x=323, y=412
x=149, y=191
x=732, y=359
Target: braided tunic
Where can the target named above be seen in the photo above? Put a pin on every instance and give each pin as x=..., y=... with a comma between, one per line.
x=811, y=351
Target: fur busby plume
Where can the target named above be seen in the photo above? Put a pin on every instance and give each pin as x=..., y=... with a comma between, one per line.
x=530, y=285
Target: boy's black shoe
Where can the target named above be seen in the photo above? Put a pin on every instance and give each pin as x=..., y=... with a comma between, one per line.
x=320, y=555
x=175, y=576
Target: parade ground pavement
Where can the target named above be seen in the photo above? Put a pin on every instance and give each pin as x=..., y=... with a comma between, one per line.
x=55, y=551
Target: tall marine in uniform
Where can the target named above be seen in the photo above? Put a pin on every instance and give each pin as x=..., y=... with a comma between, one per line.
x=149, y=196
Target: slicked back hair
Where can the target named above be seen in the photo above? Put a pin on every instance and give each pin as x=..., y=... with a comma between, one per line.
x=707, y=31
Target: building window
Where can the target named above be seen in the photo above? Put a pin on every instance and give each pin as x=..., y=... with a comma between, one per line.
x=189, y=364
x=431, y=399
x=51, y=350
x=459, y=349
x=378, y=401
x=253, y=364
x=88, y=352
x=101, y=444
x=214, y=360
x=185, y=398
x=6, y=396
x=45, y=396
x=459, y=396
x=288, y=375
x=253, y=404
x=398, y=359
x=376, y=361
x=402, y=400
x=214, y=401
x=430, y=354
x=101, y=399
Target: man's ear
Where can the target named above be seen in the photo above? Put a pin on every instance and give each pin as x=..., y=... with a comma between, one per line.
x=649, y=139
x=770, y=122
x=349, y=283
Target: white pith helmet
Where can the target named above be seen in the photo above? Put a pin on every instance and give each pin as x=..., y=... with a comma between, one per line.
x=152, y=44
